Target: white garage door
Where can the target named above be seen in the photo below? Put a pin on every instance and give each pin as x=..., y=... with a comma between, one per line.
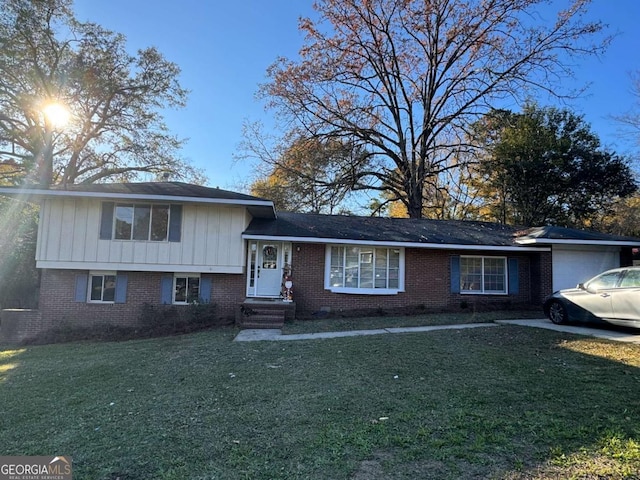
x=572, y=266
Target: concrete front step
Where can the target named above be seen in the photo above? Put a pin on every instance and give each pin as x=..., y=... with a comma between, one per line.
x=262, y=318
x=262, y=326
x=256, y=314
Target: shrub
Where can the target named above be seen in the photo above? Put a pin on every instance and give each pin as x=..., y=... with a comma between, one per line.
x=153, y=321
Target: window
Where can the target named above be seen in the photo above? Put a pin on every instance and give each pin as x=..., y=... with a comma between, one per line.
x=631, y=279
x=270, y=257
x=141, y=222
x=364, y=269
x=483, y=275
x=186, y=288
x=604, y=281
x=102, y=287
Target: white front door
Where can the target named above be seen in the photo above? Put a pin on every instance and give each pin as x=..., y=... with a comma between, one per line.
x=269, y=269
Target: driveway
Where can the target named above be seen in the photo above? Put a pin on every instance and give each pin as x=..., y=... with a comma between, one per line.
x=609, y=333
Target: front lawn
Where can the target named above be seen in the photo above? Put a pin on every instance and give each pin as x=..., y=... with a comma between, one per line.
x=363, y=323
x=505, y=402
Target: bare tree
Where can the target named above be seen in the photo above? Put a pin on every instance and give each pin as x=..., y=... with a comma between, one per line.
x=631, y=119
x=404, y=78
x=301, y=174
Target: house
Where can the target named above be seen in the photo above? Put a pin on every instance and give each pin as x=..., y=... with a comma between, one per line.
x=105, y=250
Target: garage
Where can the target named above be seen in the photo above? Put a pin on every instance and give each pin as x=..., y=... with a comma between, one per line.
x=578, y=255
x=576, y=264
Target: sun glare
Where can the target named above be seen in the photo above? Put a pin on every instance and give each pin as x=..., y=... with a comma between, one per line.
x=57, y=114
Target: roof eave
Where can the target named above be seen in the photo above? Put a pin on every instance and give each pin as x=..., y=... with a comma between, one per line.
x=258, y=208
x=432, y=246
x=557, y=241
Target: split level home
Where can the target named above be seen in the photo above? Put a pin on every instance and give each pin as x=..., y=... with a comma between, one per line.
x=105, y=250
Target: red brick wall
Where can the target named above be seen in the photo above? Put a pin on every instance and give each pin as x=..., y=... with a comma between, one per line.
x=541, y=277
x=18, y=325
x=58, y=306
x=427, y=287
x=427, y=284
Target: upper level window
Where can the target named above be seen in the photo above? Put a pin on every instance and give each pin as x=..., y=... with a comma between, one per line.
x=141, y=222
x=364, y=269
x=483, y=275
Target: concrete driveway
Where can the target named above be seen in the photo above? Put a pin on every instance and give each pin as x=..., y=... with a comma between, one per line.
x=609, y=333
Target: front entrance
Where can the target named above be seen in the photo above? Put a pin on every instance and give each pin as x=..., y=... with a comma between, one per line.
x=268, y=269
x=268, y=262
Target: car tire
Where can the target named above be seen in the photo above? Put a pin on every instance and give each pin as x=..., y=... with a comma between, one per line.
x=557, y=313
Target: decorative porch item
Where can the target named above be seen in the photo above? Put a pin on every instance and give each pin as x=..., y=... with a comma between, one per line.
x=287, y=295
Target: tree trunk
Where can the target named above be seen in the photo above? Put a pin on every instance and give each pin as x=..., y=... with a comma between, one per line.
x=415, y=201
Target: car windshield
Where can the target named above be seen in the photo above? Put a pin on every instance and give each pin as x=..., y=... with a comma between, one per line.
x=606, y=280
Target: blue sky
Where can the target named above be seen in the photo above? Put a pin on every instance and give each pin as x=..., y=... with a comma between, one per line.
x=224, y=49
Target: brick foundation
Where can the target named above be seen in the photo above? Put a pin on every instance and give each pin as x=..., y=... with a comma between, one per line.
x=17, y=325
x=58, y=307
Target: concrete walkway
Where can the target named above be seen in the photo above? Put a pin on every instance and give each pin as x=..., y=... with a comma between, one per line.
x=258, y=335
x=276, y=334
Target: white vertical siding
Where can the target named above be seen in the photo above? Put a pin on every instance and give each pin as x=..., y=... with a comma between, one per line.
x=200, y=235
x=213, y=238
x=210, y=241
x=79, y=240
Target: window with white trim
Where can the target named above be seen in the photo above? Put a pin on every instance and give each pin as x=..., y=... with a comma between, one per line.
x=364, y=269
x=102, y=287
x=141, y=222
x=483, y=274
x=186, y=289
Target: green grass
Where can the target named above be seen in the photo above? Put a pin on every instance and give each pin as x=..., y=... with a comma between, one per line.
x=359, y=323
x=505, y=402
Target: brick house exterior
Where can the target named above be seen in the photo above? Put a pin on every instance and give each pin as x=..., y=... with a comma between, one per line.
x=143, y=288
x=230, y=247
x=423, y=292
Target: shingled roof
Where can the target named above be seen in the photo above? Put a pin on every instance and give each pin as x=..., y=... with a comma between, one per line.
x=550, y=234
x=303, y=226
x=419, y=232
x=172, y=189
x=163, y=191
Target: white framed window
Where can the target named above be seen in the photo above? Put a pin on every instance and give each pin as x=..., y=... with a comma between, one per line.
x=364, y=269
x=102, y=287
x=141, y=222
x=186, y=288
x=483, y=275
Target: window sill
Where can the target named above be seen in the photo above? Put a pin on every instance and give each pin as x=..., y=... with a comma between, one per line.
x=503, y=294
x=365, y=291
x=131, y=240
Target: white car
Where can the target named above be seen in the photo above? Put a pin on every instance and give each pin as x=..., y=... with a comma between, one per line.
x=611, y=297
